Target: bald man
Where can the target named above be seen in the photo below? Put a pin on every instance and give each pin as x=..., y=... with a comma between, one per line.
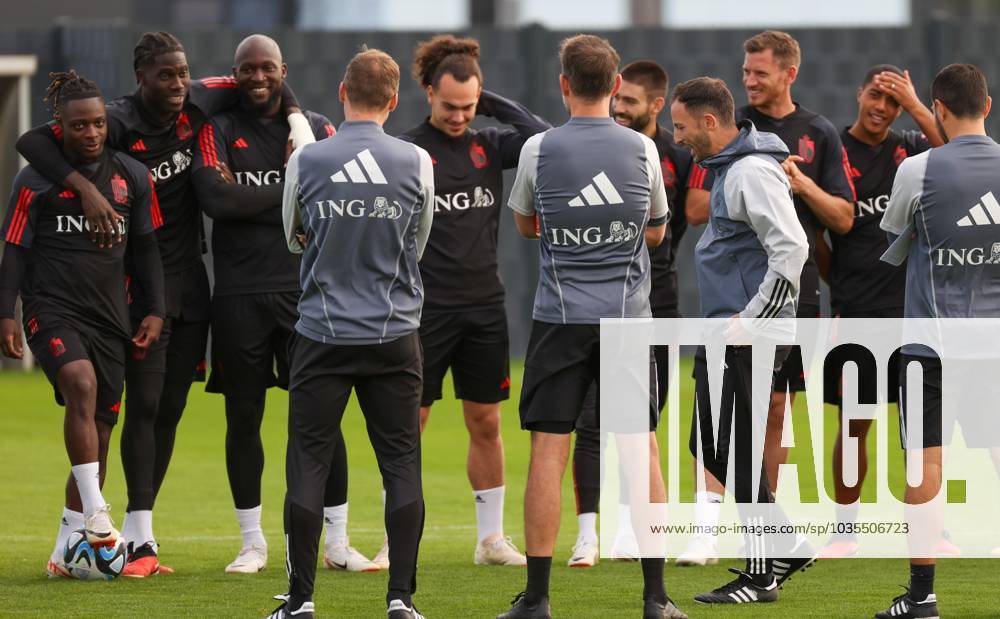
x=239, y=177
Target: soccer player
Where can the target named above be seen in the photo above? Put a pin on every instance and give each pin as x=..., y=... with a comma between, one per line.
x=818, y=172
x=637, y=105
x=238, y=174
x=73, y=294
x=862, y=286
x=929, y=214
x=464, y=324
x=157, y=125
x=365, y=227
x=751, y=215
x=596, y=175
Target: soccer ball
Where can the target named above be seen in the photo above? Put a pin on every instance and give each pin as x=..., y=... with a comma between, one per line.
x=87, y=563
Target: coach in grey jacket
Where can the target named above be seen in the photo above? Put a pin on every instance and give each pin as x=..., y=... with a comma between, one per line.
x=748, y=261
x=365, y=203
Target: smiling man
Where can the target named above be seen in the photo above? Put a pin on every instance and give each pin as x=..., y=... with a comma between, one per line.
x=239, y=177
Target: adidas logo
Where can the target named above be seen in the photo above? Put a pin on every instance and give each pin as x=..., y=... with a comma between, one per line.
x=480, y=499
x=589, y=195
x=352, y=170
x=744, y=595
x=139, y=145
x=240, y=143
x=978, y=214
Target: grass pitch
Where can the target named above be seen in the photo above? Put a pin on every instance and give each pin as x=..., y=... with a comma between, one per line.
x=198, y=533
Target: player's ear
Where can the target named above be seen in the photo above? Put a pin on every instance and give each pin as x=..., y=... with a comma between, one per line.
x=710, y=122
x=792, y=72
x=394, y=102
x=657, y=106
x=342, y=92
x=563, y=85
x=617, y=85
x=284, y=70
x=430, y=94
x=138, y=77
x=989, y=104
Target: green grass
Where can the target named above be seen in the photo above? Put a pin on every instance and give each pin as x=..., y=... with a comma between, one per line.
x=199, y=536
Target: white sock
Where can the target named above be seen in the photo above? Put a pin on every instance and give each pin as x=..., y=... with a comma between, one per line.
x=336, y=524
x=707, y=507
x=137, y=528
x=587, y=522
x=70, y=521
x=249, y=520
x=624, y=522
x=847, y=514
x=88, y=482
x=489, y=512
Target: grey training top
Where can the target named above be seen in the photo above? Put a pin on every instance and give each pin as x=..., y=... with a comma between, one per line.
x=594, y=185
x=944, y=215
x=365, y=202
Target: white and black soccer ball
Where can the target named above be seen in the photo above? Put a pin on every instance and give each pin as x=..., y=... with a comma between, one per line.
x=87, y=563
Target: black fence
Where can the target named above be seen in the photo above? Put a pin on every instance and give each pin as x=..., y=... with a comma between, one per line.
x=522, y=64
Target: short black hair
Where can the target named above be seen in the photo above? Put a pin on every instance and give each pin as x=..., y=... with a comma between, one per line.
x=880, y=68
x=151, y=45
x=69, y=86
x=707, y=94
x=962, y=89
x=648, y=74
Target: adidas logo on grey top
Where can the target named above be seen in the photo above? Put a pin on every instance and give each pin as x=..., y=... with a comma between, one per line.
x=352, y=170
x=978, y=214
x=589, y=195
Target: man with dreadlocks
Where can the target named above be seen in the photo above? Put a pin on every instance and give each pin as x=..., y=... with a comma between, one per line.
x=157, y=125
x=74, y=304
x=239, y=177
x=464, y=323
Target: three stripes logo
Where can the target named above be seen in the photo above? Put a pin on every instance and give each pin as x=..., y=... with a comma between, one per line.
x=600, y=192
x=240, y=143
x=352, y=172
x=985, y=213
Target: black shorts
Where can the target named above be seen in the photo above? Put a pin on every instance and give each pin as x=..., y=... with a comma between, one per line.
x=188, y=300
x=588, y=423
x=250, y=338
x=474, y=344
x=561, y=365
x=867, y=383
x=792, y=373
x=55, y=342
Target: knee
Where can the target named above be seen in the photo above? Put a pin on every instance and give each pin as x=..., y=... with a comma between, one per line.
x=80, y=387
x=485, y=429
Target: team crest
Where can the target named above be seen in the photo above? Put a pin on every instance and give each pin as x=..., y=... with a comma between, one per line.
x=669, y=173
x=120, y=188
x=899, y=154
x=32, y=326
x=183, y=125
x=57, y=347
x=478, y=155
x=807, y=149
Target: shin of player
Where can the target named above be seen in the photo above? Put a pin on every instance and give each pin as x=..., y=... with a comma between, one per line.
x=567, y=177
x=333, y=352
x=74, y=305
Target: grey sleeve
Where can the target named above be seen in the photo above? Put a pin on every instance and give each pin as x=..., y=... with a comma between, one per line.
x=897, y=220
x=522, y=193
x=659, y=208
x=758, y=193
x=290, y=216
x=427, y=192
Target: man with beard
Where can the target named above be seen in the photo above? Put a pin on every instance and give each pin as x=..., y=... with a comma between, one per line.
x=862, y=286
x=156, y=125
x=638, y=104
x=464, y=322
x=238, y=176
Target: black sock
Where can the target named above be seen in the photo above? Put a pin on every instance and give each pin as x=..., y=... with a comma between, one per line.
x=652, y=578
x=399, y=594
x=538, y=580
x=921, y=582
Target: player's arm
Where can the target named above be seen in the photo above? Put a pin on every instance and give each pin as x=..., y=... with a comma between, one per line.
x=659, y=208
x=216, y=94
x=900, y=88
x=758, y=194
x=522, y=193
x=525, y=124
x=219, y=195
x=18, y=232
x=145, y=219
x=42, y=148
x=291, y=217
x=897, y=220
x=699, y=187
x=830, y=199
x=12, y=269
x=427, y=193
x=823, y=255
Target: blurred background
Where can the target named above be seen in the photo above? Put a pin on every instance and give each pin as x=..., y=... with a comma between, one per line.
x=519, y=39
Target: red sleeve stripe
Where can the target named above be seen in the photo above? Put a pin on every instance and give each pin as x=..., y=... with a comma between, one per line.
x=697, y=177
x=209, y=156
x=329, y=130
x=20, y=218
x=56, y=130
x=847, y=172
x=154, y=204
x=218, y=82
